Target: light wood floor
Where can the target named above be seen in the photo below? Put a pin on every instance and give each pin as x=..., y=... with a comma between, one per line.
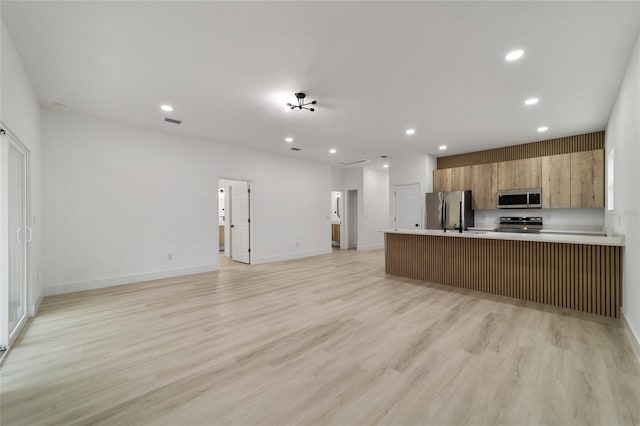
x=324, y=340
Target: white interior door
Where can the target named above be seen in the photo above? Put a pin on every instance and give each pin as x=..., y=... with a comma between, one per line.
x=240, y=221
x=16, y=234
x=408, y=206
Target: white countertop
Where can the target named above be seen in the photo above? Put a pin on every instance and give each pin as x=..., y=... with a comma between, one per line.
x=606, y=240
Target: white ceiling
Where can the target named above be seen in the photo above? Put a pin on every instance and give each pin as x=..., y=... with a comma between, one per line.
x=375, y=68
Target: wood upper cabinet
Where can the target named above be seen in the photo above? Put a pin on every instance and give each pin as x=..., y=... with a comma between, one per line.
x=460, y=178
x=484, y=185
x=587, y=179
x=574, y=180
x=520, y=174
x=556, y=181
x=442, y=180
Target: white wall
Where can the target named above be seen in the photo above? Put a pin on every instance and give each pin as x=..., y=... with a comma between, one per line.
x=406, y=170
x=20, y=113
x=623, y=135
x=337, y=179
x=120, y=198
x=375, y=216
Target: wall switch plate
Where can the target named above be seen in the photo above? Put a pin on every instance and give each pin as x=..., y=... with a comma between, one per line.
x=170, y=256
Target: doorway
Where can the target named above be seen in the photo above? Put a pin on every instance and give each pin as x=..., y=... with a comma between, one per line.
x=16, y=234
x=337, y=213
x=408, y=204
x=236, y=218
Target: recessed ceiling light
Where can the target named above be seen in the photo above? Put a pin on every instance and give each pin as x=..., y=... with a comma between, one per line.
x=288, y=140
x=512, y=56
x=531, y=101
x=386, y=166
x=442, y=147
x=543, y=129
x=167, y=108
x=411, y=131
x=332, y=151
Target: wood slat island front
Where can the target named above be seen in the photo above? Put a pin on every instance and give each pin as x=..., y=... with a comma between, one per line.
x=581, y=276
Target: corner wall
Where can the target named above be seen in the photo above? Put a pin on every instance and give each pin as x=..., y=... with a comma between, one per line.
x=119, y=199
x=623, y=136
x=20, y=113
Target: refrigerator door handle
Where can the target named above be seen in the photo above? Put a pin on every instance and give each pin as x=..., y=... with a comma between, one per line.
x=444, y=215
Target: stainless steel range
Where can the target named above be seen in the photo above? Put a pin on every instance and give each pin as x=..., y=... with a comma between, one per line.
x=525, y=224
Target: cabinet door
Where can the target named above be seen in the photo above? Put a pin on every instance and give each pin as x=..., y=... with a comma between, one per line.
x=520, y=174
x=556, y=181
x=587, y=179
x=460, y=178
x=484, y=184
x=442, y=180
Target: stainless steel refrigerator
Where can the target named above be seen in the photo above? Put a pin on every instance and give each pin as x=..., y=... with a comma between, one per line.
x=448, y=210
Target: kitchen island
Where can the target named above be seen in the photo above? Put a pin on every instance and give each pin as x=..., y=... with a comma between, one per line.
x=581, y=272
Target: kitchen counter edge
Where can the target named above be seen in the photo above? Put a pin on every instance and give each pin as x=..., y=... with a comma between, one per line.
x=607, y=240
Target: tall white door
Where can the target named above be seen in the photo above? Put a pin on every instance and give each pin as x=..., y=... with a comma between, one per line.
x=240, y=221
x=16, y=235
x=408, y=206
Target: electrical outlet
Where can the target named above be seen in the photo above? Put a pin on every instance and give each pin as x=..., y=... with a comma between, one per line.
x=170, y=256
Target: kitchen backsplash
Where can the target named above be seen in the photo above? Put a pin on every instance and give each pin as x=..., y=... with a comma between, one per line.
x=550, y=217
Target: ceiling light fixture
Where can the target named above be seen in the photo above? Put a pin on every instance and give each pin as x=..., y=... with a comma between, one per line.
x=167, y=108
x=288, y=140
x=386, y=166
x=332, y=151
x=531, y=101
x=301, y=103
x=543, y=129
x=442, y=147
x=411, y=131
x=513, y=55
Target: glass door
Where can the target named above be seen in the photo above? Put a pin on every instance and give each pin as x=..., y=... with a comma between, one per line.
x=13, y=294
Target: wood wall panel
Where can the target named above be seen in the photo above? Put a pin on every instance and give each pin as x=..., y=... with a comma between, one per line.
x=574, y=276
x=577, y=143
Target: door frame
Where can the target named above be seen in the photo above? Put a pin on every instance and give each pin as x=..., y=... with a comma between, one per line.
x=395, y=186
x=227, y=230
x=6, y=337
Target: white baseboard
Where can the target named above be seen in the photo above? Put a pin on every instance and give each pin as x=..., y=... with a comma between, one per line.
x=633, y=335
x=53, y=289
x=36, y=305
x=371, y=247
x=291, y=256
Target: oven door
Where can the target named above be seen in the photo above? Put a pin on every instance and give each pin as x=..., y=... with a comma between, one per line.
x=518, y=200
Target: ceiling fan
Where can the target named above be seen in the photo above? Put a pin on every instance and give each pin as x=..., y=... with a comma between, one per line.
x=301, y=103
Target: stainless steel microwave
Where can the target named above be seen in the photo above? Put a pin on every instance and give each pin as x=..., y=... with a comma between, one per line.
x=520, y=199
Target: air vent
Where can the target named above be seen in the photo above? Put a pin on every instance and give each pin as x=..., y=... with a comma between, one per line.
x=296, y=149
x=171, y=120
x=353, y=162
x=384, y=156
